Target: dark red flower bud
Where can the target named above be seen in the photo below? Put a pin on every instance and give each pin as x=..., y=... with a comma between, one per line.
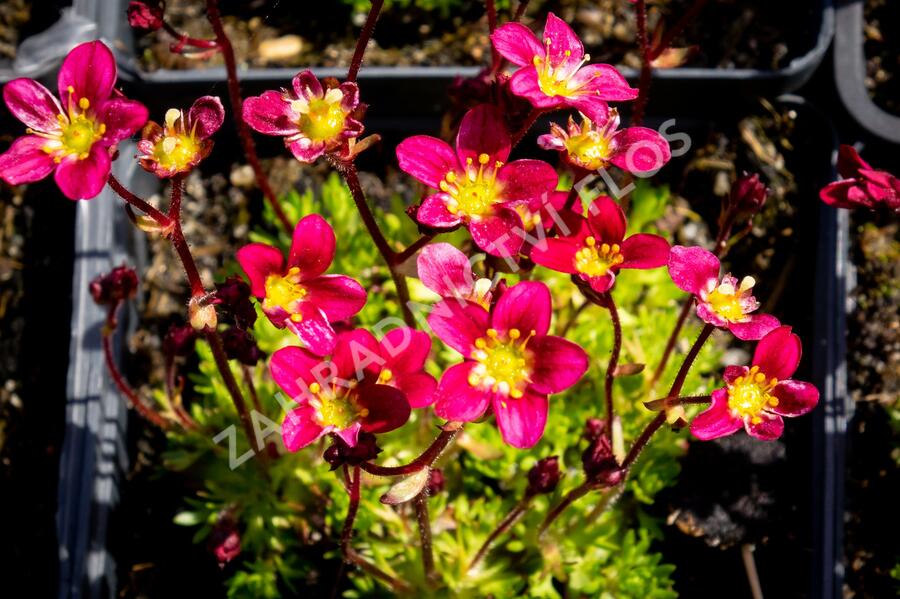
x=241, y=346
x=179, y=340
x=748, y=195
x=339, y=453
x=435, y=482
x=600, y=465
x=225, y=540
x=593, y=428
x=118, y=285
x=143, y=15
x=234, y=299
x=543, y=476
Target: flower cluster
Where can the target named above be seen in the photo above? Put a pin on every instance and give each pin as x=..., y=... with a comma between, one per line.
x=861, y=185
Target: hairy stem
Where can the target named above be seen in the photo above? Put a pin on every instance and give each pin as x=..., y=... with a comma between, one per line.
x=530, y=120
x=180, y=243
x=511, y=518
x=221, y=359
x=424, y=523
x=570, y=498
x=418, y=244
x=161, y=219
x=352, y=510
x=363, y=41
x=520, y=10
x=646, y=70
x=673, y=339
x=613, y=362
x=428, y=457
x=234, y=93
x=182, y=40
x=680, y=26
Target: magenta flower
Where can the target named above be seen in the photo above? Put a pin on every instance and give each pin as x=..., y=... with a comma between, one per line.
x=595, y=248
x=861, y=184
x=448, y=272
x=297, y=294
x=553, y=72
x=476, y=187
x=312, y=119
x=184, y=141
x=724, y=303
x=756, y=398
x=73, y=141
x=333, y=396
x=598, y=142
x=510, y=362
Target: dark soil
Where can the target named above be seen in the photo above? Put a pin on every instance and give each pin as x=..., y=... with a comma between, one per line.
x=13, y=15
x=731, y=34
x=36, y=240
x=883, y=53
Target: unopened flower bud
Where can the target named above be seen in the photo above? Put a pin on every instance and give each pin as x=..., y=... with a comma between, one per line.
x=435, y=482
x=225, y=540
x=600, y=465
x=339, y=453
x=748, y=196
x=234, y=296
x=202, y=313
x=118, y=285
x=143, y=15
x=179, y=340
x=241, y=346
x=593, y=428
x=543, y=476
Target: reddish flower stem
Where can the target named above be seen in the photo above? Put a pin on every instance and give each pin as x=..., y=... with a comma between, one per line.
x=180, y=243
x=161, y=219
x=234, y=93
x=418, y=244
x=520, y=10
x=118, y=378
x=680, y=26
x=221, y=359
x=673, y=338
x=424, y=522
x=613, y=362
x=511, y=518
x=185, y=40
x=348, y=170
x=491, y=8
x=363, y=41
x=530, y=120
x=428, y=457
x=646, y=70
x=352, y=510
x=570, y=498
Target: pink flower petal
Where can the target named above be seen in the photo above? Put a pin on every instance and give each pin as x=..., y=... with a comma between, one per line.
x=640, y=150
x=606, y=220
x=388, y=408
x=25, y=161
x=840, y=195
x=426, y=158
x=83, y=179
x=456, y=399
x=644, y=251
x=795, y=398
x=445, y=270
x=312, y=246
x=90, y=70
x=306, y=150
x=350, y=435
x=350, y=98
x=603, y=283
x=433, y=212
x=269, y=114
x=523, y=180
x=206, y=115
x=294, y=369
x=458, y=324
x=732, y=372
x=419, y=388
x=355, y=354
x=756, y=328
x=691, y=268
x=771, y=427
x=482, y=131
x=405, y=349
x=602, y=82
x=565, y=47
x=525, y=306
x=588, y=104
x=313, y=330
x=521, y=421
x=556, y=254
x=708, y=315
x=717, y=421
x=517, y=44
x=849, y=162
x=306, y=85
x=123, y=118
x=778, y=353
x=500, y=234
x=33, y=104
x=259, y=261
x=337, y=296
x=548, y=141
x=300, y=429
x=524, y=83
x=556, y=363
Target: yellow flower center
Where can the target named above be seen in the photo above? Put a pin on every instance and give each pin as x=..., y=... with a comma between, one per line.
x=474, y=192
x=502, y=365
x=554, y=79
x=385, y=376
x=595, y=261
x=285, y=292
x=178, y=149
x=321, y=119
x=78, y=131
x=589, y=149
x=725, y=300
x=335, y=407
x=748, y=395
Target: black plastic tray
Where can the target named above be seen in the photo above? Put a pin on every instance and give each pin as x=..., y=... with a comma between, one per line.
x=424, y=87
x=850, y=73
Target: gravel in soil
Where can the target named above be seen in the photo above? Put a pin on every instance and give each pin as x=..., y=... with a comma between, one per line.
x=729, y=33
x=882, y=45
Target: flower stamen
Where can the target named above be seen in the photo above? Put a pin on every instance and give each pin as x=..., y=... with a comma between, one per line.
x=502, y=363
x=749, y=395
